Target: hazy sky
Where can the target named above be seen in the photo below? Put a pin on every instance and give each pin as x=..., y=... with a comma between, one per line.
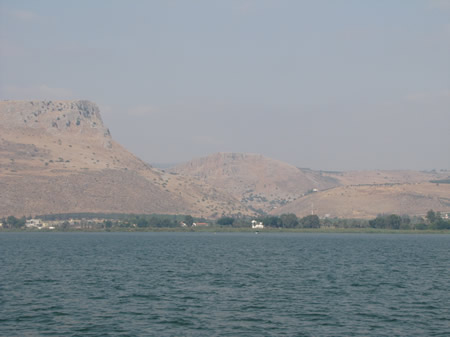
x=323, y=84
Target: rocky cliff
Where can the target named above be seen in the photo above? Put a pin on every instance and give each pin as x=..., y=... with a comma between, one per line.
x=59, y=157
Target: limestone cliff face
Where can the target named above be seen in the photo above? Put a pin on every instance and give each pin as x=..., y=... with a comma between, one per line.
x=50, y=114
x=60, y=118
x=59, y=157
x=58, y=135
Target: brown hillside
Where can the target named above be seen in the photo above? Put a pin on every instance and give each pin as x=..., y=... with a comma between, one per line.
x=259, y=182
x=58, y=157
x=277, y=187
x=379, y=177
x=367, y=201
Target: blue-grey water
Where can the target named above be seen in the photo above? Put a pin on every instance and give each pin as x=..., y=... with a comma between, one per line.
x=192, y=284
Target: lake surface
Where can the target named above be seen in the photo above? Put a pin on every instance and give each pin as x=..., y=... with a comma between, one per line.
x=225, y=284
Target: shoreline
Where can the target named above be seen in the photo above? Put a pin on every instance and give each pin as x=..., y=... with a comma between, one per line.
x=234, y=230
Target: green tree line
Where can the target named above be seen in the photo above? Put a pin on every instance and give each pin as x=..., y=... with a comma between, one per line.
x=13, y=222
x=433, y=220
x=289, y=220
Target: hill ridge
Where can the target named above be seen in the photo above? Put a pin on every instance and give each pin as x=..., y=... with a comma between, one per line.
x=49, y=149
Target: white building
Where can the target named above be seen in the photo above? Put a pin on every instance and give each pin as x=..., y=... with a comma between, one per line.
x=33, y=223
x=257, y=225
x=195, y=224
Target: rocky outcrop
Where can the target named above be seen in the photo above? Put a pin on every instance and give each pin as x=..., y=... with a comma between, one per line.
x=60, y=118
x=59, y=157
x=49, y=115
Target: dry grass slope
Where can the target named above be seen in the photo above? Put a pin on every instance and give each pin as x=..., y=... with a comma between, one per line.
x=58, y=157
x=367, y=201
x=259, y=182
x=277, y=187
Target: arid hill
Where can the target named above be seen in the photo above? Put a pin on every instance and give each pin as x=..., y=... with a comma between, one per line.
x=259, y=182
x=276, y=187
x=367, y=201
x=58, y=157
x=380, y=177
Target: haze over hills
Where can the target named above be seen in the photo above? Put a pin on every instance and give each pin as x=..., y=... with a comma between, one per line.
x=367, y=201
x=379, y=177
x=275, y=187
x=58, y=157
x=259, y=182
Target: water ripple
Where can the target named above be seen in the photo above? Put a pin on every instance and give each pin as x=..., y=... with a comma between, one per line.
x=185, y=284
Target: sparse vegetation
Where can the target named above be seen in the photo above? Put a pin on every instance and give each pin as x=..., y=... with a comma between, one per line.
x=13, y=222
x=286, y=222
x=440, y=181
x=260, y=184
x=225, y=221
